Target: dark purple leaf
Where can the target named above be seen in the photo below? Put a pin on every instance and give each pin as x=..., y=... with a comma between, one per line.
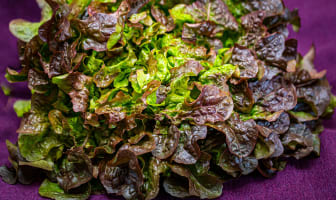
x=281, y=124
x=212, y=105
x=269, y=167
x=241, y=136
x=299, y=141
x=246, y=61
x=253, y=21
x=274, y=95
x=317, y=96
x=242, y=97
x=271, y=49
x=272, y=7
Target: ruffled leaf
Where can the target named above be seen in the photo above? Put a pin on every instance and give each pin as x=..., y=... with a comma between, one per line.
x=122, y=175
x=52, y=190
x=25, y=30
x=241, y=136
x=166, y=140
x=299, y=141
x=184, y=184
x=188, y=151
x=74, y=171
x=212, y=105
x=244, y=58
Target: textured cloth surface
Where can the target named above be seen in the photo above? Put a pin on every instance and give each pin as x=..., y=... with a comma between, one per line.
x=303, y=179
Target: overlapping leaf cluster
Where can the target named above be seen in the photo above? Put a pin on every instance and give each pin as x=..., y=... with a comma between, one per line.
x=133, y=94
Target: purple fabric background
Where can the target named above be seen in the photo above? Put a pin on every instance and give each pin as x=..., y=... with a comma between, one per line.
x=304, y=179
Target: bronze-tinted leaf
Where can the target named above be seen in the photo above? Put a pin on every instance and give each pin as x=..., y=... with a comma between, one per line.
x=166, y=140
x=206, y=28
x=152, y=180
x=122, y=175
x=306, y=73
x=268, y=144
x=227, y=163
x=129, y=94
x=61, y=62
x=213, y=10
x=253, y=23
x=188, y=151
x=107, y=144
x=278, y=22
x=161, y=17
x=75, y=85
x=183, y=183
x=190, y=68
x=136, y=5
x=140, y=144
x=99, y=27
x=76, y=170
x=113, y=109
x=58, y=122
x=283, y=99
x=37, y=81
x=34, y=123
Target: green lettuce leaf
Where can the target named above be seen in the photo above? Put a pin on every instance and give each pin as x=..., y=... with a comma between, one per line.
x=25, y=30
